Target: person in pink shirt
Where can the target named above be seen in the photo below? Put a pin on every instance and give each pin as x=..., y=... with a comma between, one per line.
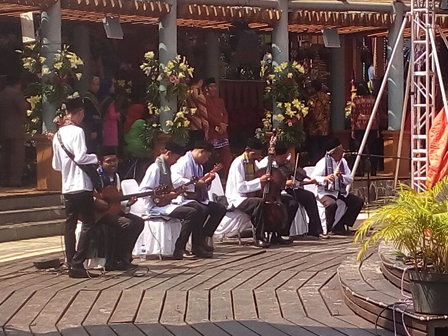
x=110, y=120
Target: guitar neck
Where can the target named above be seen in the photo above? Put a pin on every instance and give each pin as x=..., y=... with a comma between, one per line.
x=128, y=197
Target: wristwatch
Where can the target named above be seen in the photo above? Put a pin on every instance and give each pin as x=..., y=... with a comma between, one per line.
x=156, y=200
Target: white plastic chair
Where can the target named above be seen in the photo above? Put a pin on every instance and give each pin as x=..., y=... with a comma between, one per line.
x=159, y=235
x=341, y=210
x=234, y=221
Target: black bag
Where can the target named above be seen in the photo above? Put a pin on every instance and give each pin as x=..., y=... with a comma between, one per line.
x=89, y=169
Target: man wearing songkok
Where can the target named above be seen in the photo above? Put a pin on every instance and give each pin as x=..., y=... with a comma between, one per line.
x=126, y=227
x=77, y=187
x=191, y=213
x=190, y=166
x=333, y=175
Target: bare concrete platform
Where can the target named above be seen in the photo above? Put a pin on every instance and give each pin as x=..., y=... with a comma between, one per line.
x=242, y=291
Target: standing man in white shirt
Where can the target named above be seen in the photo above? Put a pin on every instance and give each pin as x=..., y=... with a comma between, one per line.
x=191, y=166
x=333, y=176
x=77, y=187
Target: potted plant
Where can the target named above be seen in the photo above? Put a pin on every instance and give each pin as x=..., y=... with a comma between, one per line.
x=285, y=84
x=175, y=73
x=417, y=225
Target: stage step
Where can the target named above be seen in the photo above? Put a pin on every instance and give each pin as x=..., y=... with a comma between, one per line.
x=32, y=215
x=31, y=230
x=25, y=216
x=370, y=295
x=17, y=202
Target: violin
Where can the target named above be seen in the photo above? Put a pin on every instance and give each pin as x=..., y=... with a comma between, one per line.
x=274, y=210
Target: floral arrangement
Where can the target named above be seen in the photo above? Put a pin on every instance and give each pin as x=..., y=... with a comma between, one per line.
x=123, y=89
x=284, y=84
x=51, y=83
x=170, y=80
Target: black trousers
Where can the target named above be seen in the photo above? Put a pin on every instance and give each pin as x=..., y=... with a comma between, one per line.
x=79, y=205
x=354, y=205
x=253, y=207
x=127, y=229
x=215, y=213
x=291, y=210
x=192, y=216
x=309, y=202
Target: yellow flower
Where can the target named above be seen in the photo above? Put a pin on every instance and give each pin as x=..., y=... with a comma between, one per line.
x=128, y=91
x=289, y=75
x=186, y=123
x=300, y=68
x=58, y=65
x=179, y=115
x=29, y=112
x=121, y=82
x=129, y=83
x=269, y=56
x=169, y=123
x=272, y=76
x=170, y=65
x=284, y=65
x=279, y=105
x=78, y=75
x=190, y=71
x=296, y=103
x=288, y=106
x=279, y=117
x=149, y=54
x=277, y=69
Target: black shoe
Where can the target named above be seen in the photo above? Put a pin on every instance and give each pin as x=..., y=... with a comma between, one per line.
x=81, y=273
x=202, y=253
x=324, y=236
x=110, y=266
x=278, y=240
x=261, y=243
x=178, y=255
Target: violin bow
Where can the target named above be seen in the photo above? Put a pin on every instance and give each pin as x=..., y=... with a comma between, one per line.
x=296, y=165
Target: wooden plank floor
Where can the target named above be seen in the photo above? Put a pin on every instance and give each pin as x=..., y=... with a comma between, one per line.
x=242, y=291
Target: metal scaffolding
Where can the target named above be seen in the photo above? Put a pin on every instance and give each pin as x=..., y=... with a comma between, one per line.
x=423, y=86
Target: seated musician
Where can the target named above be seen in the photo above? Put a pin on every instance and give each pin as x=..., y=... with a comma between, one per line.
x=295, y=190
x=243, y=191
x=127, y=226
x=191, y=166
x=333, y=176
x=191, y=213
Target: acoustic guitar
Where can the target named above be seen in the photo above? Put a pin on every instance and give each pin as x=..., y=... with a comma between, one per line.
x=113, y=197
x=199, y=191
x=163, y=198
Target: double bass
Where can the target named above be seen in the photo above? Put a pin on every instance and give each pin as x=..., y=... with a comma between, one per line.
x=274, y=211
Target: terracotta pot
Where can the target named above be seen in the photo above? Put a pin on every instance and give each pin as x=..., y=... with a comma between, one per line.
x=47, y=177
x=159, y=144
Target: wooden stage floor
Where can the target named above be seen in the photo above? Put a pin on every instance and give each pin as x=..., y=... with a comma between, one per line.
x=242, y=291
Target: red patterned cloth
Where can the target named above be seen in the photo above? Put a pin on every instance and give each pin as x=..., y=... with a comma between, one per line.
x=361, y=110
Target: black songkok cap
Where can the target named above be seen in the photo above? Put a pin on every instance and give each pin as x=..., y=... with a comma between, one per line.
x=281, y=148
x=107, y=151
x=175, y=148
x=332, y=144
x=201, y=144
x=209, y=81
x=255, y=144
x=74, y=104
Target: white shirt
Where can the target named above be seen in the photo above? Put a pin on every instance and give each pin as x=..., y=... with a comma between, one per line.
x=74, y=180
x=237, y=187
x=319, y=175
x=150, y=182
x=183, y=171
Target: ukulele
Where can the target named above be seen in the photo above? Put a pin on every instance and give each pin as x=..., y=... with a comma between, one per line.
x=113, y=197
x=164, y=198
